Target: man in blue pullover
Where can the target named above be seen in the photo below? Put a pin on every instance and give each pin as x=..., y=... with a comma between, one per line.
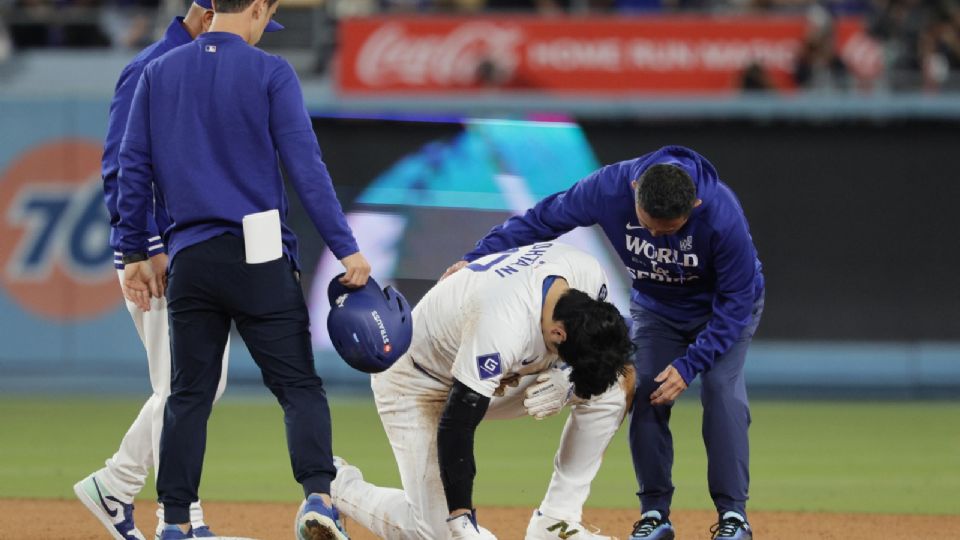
x=209, y=125
x=696, y=301
x=109, y=492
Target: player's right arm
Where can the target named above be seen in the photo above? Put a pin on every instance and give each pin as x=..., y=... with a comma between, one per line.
x=135, y=195
x=579, y=206
x=299, y=151
x=110, y=163
x=135, y=181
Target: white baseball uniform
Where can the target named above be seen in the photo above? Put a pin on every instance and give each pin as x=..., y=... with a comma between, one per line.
x=126, y=471
x=479, y=326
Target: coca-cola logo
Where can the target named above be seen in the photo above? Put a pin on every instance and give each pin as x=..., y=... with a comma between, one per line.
x=391, y=55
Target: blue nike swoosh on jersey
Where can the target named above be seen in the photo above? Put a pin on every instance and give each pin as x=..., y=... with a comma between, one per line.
x=103, y=503
x=528, y=361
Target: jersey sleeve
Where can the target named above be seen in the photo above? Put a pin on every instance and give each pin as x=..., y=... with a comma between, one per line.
x=579, y=206
x=489, y=349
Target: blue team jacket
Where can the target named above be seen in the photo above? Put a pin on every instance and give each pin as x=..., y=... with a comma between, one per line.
x=209, y=125
x=708, y=268
x=175, y=36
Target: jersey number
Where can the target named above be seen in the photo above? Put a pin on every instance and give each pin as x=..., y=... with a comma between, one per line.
x=476, y=267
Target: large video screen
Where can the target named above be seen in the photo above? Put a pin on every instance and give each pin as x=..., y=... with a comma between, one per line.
x=417, y=204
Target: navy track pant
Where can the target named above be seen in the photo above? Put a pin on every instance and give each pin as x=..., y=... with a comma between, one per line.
x=726, y=412
x=210, y=285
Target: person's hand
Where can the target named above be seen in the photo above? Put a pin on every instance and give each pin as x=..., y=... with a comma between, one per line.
x=358, y=270
x=671, y=385
x=140, y=283
x=453, y=269
x=549, y=394
x=512, y=381
x=159, y=264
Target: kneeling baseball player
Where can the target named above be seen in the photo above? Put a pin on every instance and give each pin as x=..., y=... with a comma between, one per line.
x=520, y=332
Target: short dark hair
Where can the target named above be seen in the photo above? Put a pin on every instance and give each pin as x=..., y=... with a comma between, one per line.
x=597, y=347
x=666, y=192
x=236, y=6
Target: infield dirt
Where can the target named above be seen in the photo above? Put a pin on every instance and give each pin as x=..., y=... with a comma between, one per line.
x=58, y=519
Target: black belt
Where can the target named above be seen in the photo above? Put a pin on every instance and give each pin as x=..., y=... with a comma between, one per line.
x=424, y=370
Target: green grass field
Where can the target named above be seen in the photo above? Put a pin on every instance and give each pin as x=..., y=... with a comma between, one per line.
x=891, y=457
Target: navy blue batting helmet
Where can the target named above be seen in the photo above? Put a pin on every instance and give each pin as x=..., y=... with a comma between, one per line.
x=371, y=327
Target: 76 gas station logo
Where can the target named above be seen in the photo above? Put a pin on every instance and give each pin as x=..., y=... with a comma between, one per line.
x=55, y=257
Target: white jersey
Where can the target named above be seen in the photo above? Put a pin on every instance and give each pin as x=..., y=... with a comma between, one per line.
x=483, y=323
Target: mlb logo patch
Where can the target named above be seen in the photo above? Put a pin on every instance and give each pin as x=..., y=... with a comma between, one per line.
x=489, y=366
x=211, y=48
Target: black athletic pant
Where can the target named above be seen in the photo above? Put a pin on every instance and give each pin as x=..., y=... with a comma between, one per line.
x=210, y=285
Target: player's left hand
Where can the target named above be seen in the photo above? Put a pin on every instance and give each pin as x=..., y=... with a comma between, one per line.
x=671, y=386
x=548, y=394
x=140, y=284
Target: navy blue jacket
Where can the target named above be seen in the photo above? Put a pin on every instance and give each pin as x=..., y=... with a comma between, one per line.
x=175, y=36
x=209, y=125
x=707, y=268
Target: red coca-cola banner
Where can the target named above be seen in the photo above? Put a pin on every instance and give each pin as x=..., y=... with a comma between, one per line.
x=609, y=55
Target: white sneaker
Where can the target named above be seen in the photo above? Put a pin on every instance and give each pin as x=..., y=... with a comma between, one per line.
x=464, y=527
x=115, y=515
x=542, y=527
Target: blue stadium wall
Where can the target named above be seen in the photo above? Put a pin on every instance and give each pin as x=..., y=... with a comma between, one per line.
x=854, y=221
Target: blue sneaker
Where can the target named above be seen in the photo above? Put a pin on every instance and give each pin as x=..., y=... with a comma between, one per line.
x=732, y=526
x=652, y=526
x=114, y=514
x=202, y=532
x=172, y=532
x=317, y=521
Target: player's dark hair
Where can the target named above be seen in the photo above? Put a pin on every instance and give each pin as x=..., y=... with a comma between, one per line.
x=236, y=6
x=597, y=347
x=666, y=192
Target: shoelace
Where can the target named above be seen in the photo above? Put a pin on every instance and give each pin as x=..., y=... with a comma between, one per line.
x=645, y=525
x=725, y=528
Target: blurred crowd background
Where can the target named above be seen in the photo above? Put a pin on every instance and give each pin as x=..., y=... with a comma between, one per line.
x=919, y=40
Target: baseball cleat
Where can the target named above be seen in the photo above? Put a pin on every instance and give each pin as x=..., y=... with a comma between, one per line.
x=542, y=527
x=317, y=521
x=652, y=526
x=731, y=526
x=115, y=515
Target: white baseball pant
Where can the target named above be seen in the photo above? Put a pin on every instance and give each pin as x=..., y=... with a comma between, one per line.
x=410, y=404
x=126, y=471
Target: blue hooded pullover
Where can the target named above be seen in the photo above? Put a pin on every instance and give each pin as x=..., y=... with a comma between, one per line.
x=707, y=268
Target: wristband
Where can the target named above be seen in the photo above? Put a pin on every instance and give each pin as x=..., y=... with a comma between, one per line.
x=129, y=258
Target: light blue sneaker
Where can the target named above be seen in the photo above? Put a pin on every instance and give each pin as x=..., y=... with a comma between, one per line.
x=317, y=521
x=114, y=514
x=652, y=526
x=731, y=526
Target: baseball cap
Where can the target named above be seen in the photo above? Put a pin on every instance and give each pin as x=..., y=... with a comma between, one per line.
x=272, y=26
